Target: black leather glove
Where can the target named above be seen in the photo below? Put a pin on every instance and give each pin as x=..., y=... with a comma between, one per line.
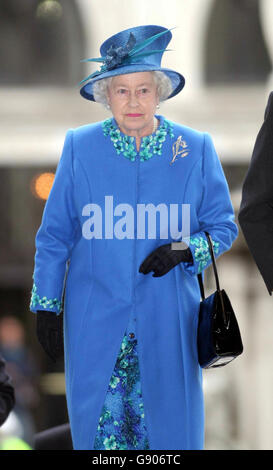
x=163, y=259
x=49, y=329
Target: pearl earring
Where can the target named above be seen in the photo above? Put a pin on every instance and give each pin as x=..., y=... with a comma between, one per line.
x=157, y=106
x=108, y=106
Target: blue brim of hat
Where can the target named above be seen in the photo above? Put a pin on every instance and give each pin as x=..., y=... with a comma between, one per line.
x=178, y=81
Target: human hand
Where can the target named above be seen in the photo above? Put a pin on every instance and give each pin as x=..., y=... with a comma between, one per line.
x=49, y=329
x=163, y=259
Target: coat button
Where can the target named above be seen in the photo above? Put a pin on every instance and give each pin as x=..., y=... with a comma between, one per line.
x=131, y=335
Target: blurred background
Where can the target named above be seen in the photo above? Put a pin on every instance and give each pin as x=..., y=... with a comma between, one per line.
x=224, y=49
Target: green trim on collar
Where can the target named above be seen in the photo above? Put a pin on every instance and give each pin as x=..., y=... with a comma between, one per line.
x=150, y=145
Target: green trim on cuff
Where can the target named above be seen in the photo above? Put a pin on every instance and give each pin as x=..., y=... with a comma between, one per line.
x=43, y=301
x=201, y=253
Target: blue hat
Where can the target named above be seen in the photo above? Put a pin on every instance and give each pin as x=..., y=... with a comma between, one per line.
x=138, y=49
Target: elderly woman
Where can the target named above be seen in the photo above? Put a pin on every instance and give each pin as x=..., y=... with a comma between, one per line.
x=132, y=375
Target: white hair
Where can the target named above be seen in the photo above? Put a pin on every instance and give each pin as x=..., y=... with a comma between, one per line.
x=163, y=83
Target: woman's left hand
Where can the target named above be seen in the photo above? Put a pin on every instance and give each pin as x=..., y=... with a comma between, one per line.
x=163, y=259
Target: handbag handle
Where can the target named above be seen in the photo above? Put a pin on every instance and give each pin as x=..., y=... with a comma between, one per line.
x=216, y=278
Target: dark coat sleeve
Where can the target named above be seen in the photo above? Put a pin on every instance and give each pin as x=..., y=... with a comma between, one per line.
x=256, y=209
x=7, y=398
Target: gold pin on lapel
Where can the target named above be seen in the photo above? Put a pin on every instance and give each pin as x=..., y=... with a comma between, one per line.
x=180, y=147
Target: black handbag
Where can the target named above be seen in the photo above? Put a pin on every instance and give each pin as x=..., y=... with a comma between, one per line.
x=218, y=336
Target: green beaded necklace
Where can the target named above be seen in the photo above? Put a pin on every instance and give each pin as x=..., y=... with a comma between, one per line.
x=150, y=145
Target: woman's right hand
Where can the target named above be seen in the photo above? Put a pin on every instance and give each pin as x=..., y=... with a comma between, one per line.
x=49, y=329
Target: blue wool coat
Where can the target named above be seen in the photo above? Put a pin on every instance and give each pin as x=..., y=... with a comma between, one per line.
x=96, y=250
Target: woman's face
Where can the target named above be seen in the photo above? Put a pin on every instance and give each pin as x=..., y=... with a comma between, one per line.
x=133, y=99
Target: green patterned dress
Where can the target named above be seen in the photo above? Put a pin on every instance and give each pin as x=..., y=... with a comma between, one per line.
x=121, y=424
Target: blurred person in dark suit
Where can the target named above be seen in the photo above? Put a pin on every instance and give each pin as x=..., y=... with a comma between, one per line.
x=21, y=366
x=8, y=440
x=256, y=209
x=7, y=397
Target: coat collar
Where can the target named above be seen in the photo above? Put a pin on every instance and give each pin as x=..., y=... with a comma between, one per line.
x=125, y=145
